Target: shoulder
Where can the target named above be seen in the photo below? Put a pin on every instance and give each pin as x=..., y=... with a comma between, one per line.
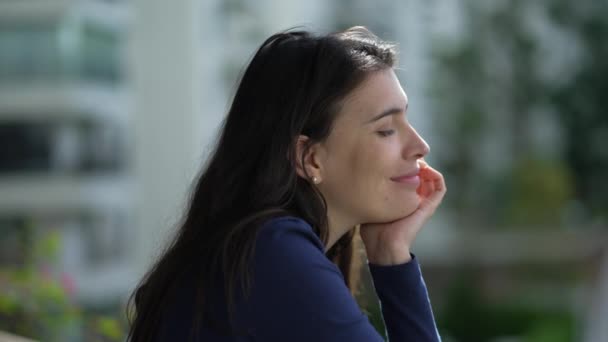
x=288, y=231
x=289, y=245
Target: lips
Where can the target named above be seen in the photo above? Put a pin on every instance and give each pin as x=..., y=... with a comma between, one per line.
x=410, y=176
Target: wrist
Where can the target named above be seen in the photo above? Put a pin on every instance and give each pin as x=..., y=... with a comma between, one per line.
x=387, y=257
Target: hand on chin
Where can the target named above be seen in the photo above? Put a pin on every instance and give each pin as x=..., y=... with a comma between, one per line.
x=389, y=242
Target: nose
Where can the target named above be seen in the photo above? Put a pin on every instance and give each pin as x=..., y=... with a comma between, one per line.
x=415, y=147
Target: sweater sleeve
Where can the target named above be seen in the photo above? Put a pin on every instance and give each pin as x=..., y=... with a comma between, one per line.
x=300, y=295
x=404, y=301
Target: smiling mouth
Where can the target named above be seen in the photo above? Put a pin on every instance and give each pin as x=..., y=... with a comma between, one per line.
x=412, y=178
x=415, y=179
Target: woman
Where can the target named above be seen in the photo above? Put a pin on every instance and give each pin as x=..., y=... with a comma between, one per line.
x=315, y=144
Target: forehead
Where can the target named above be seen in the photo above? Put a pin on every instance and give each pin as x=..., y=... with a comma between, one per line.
x=379, y=91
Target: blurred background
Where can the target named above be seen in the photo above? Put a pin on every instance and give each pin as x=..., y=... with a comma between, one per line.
x=109, y=108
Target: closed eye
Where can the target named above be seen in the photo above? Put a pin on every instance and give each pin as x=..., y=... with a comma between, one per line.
x=386, y=133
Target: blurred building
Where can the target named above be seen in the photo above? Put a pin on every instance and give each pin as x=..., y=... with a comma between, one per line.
x=66, y=139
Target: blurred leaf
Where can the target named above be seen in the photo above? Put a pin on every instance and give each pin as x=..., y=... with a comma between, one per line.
x=540, y=190
x=109, y=327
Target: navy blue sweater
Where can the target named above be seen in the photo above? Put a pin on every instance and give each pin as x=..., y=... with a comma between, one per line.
x=298, y=294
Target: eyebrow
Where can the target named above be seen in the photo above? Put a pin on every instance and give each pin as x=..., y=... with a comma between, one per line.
x=390, y=111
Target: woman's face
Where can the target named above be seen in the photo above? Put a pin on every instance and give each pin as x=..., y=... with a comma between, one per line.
x=369, y=154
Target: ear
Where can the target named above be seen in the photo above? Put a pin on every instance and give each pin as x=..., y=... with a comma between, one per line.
x=309, y=166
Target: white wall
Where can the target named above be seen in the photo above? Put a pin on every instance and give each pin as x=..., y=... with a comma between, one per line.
x=172, y=119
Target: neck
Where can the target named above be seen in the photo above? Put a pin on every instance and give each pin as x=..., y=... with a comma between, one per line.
x=338, y=225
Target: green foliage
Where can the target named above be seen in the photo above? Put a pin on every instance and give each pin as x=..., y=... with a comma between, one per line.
x=34, y=304
x=582, y=101
x=37, y=303
x=489, y=85
x=109, y=328
x=466, y=316
x=540, y=189
x=374, y=314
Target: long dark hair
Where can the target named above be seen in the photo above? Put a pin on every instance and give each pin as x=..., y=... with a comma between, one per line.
x=294, y=85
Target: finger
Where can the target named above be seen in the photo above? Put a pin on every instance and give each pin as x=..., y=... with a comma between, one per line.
x=438, y=192
x=429, y=172
x=435, y=176
x=430, y=187
x=429, y=204
x=440, y=184
x=432, y=181
x=428, y=184
x=426, y=188
x=432, y=200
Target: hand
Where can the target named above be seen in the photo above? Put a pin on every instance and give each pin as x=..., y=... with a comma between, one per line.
x=389, y=243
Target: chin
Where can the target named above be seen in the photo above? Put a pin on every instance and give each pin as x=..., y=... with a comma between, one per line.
x=408, y=205
x=405, y=211
x=395, y=213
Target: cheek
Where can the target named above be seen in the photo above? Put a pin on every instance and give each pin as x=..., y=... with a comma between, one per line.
x=371, y=167
x=357, y=178
x=379, y=198
x=355, y=162
x=359, y=182
x=386, y=200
